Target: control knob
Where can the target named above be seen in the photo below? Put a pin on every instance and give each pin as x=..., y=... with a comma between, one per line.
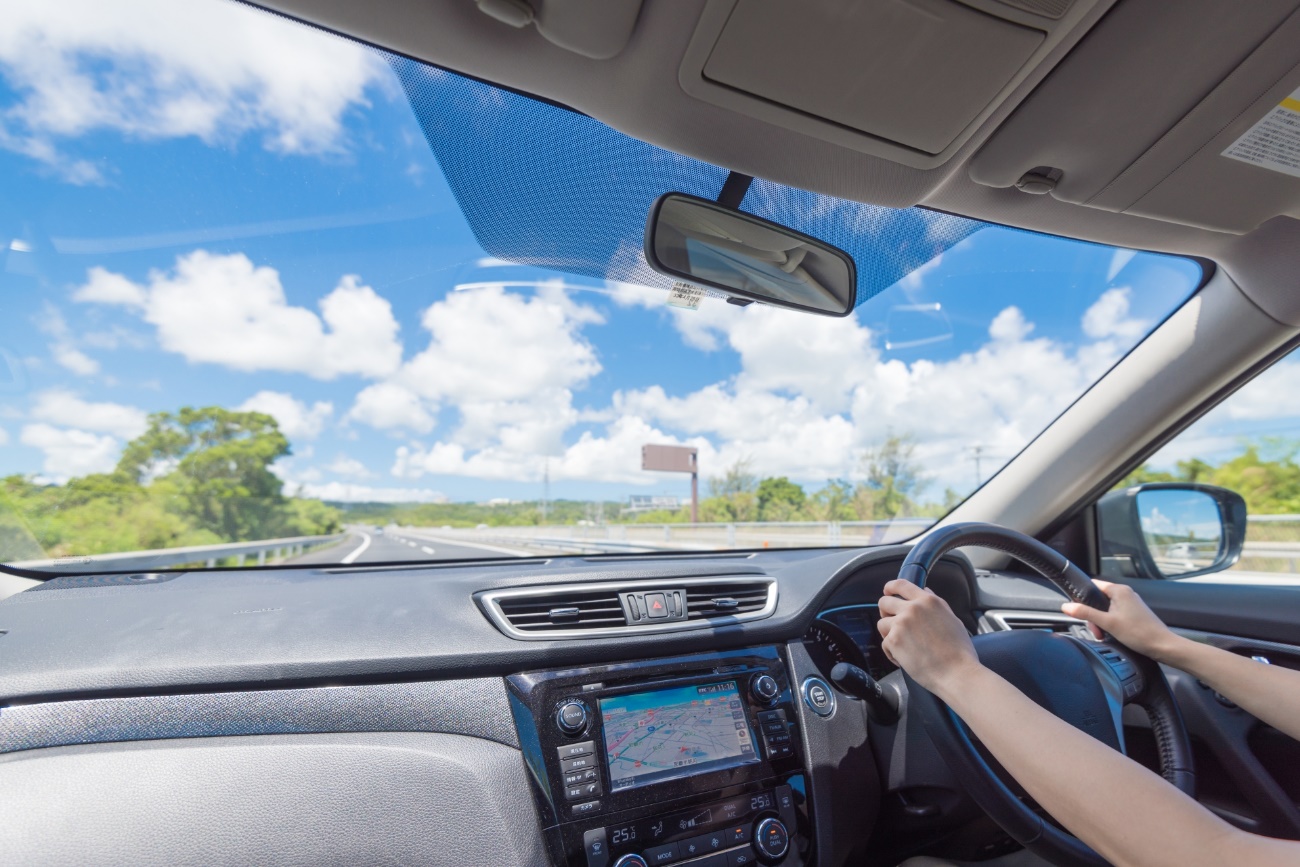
x=771, y=839
x=631, y=861
x=764, y=688
x=572, y=717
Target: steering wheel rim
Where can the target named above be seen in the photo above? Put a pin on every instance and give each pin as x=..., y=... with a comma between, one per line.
x=953, y=740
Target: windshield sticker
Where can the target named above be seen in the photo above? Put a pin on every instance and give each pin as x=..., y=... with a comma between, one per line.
x=685, y=296
x=1274, y=142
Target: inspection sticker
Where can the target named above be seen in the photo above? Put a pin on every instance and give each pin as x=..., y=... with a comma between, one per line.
x=1274, y=142
x=686, y=296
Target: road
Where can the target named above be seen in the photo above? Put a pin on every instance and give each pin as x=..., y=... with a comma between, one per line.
x=368, y=545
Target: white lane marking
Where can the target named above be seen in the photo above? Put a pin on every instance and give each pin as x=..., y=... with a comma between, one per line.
x=513, y=552
x=426, y=549
x=352, y=557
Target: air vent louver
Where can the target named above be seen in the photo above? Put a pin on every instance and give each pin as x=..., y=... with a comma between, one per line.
x=577, y=610
x=725, y=600
x=1005, y=620
x=567, y=611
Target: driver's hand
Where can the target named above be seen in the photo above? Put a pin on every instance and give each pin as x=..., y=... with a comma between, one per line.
x=1129, y=620
x=923, y=636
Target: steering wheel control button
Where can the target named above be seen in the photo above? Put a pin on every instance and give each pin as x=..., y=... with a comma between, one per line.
x=572, y=718
x=818, y=696
x=571, y=751
x=764, y=688
x=596, y=847
x=631, y=861
x=665, y=854
x=771, y=839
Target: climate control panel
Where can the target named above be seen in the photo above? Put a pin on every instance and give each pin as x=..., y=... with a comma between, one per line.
x=742, y=831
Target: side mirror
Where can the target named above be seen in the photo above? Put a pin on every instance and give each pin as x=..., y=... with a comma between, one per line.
x=749, y=258
x=1170, y=530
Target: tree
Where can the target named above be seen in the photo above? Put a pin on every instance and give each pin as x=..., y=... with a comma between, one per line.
x=892, y=482
x=833, y=502
x=779, y=499
x=732, y=495
x=218, y=462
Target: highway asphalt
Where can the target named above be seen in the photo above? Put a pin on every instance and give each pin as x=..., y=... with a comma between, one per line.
x=367, y=545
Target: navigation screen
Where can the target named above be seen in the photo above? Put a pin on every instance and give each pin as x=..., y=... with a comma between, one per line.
x=653, y=736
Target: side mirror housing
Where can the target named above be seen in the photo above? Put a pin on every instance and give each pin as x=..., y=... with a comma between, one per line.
x=1170, y=530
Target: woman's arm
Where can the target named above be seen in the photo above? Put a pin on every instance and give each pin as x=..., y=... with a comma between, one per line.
x=1128, y=814
x=1269, y=692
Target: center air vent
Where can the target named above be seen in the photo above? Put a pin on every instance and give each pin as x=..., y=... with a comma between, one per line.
x=563, y=611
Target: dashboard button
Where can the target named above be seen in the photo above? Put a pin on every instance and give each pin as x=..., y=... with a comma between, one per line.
x=665, y=854
x=577, y=811
x=577, y=777
x=771, y=839
x=818, y=696
x=572, y=718
x=577, y=764
x=569, y=751
x=785, y=804
x=656, y=606
x=764, y=688
x=737, y=834
x=596, y=847
x=741, y=857
x=630, y=861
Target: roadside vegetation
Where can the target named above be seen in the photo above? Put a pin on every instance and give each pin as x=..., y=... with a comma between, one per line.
x=195, y=477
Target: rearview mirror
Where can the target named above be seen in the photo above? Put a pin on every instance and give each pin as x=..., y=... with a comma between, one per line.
x=1170, y=530
x=747, y=257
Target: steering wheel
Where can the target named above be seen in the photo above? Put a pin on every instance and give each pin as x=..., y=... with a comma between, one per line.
x=1085, y=683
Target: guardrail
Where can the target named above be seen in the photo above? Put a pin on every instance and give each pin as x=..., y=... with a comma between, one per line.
x=208, y=555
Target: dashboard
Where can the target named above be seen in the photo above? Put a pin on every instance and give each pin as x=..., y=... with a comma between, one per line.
x=466, y=713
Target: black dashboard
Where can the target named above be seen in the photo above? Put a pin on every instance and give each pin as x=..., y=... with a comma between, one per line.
x=665, y=710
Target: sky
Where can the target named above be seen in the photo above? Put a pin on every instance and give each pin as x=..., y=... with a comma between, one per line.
x=204, y=204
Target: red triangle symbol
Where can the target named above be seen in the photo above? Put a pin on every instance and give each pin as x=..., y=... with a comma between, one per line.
x=658, y=605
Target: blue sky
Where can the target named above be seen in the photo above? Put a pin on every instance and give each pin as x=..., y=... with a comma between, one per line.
x=190, y=219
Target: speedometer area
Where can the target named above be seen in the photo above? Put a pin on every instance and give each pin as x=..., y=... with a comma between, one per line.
x=828, y=644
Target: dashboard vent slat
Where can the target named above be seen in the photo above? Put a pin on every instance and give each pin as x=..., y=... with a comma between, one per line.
x=595, y=610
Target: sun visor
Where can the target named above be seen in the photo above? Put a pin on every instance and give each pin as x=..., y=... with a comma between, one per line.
x=541, y=185
x=905, y=79
x=1187, y=113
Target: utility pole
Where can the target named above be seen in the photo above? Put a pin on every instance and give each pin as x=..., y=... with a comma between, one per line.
x=977, y=453
x=546, y=487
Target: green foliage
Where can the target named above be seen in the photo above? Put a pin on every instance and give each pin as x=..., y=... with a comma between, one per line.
x=1266, y=474
x=893, y=480
x=733, y=496
x=780, y=499
x=195, y=477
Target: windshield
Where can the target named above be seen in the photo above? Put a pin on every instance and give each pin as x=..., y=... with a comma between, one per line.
x=273, y=297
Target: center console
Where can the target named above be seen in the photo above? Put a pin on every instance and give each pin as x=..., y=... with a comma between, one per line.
x=694, y=761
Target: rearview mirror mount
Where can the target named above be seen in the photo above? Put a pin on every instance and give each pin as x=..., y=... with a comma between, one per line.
x=702, y=242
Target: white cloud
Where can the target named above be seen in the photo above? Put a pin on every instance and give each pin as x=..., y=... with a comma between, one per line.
x=351, y=467
x=63, y=347
x=1108, y=316
x=159, y=69
x=295, y=418
x=1010, y=324
x=62, y=407
x=388, y=406
x=344, y=492
x=221, y=309
x=70, y=452
x=490, y=345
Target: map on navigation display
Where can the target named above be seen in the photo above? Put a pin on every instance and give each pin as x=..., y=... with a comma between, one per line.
x=651, y=736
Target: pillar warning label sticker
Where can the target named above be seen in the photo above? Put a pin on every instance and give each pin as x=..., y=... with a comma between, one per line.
x=1274, y=142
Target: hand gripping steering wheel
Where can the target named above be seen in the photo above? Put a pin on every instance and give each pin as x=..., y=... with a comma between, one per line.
x=1085, y=683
